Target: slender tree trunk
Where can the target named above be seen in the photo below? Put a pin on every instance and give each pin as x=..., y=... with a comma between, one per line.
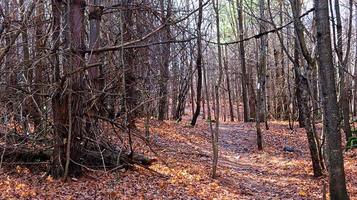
x=175, y=90
x=237, y=92
x=28, y=72
x=216, y=90
x=56, y=168
x=355, y=74
x=337, y=181
x=40, y=67
x=228, y=82
x=343, y=101
x=246, y=110
x=198, y=65
x=209, y=115
x=261, y=72
x=303, y=93
x=95, y=73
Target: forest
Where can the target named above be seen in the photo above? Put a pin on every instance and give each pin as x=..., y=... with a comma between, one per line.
x=178, y=99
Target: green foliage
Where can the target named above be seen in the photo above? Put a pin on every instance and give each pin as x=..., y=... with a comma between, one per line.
x=354, y=131
x=351, y=143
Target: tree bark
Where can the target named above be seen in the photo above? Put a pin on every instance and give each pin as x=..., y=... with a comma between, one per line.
x=343, y=101
x=246, y=110
x=56, y=168
x=261, y=72
x=228, y=82
x=216, y=91
x=165, y=61
x=198, y=65
x=130, y=82
x=337, y=181
x=38, y=101
x=76, y=84
x=355, y=74
x=95, y=73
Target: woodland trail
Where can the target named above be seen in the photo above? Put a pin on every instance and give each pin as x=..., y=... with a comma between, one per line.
x=269, y=174
x=243, y=170
x=184, y=166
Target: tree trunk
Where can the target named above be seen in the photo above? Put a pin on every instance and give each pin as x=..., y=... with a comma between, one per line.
x=355, y=74
x=261, y=72
x=76, y=84
x=198, y=65
x=57, y=157
x=228, y=82
x=38, y=101
x=337, y=182
x=95, y=73
x=216, y=90
x=343, y=101
x=129, y=86
x=209, y=115
x=165, y=62
x=303, y=94
x=246, y=110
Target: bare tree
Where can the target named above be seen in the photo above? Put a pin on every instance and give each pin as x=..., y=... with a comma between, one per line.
x=198, y=65
x=337, y=182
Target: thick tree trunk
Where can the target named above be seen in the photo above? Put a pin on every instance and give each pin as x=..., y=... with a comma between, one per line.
x=337, y=181
x=165, y=61
x=76, y=84
x=130, y=90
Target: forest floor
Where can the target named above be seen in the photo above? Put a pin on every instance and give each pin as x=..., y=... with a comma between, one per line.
x=184, y=166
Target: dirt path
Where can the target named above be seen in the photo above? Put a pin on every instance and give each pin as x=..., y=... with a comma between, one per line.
x=248, y=173
x=271, y=173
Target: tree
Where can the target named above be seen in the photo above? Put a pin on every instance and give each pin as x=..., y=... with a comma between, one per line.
x=246, y=110
x=342, y=62
x=303, y=94
x=96, y=72
x=165, y=61
x=261, y=73
x=337, y=182
x=69, y=114
x=215, y=133
x=198, y=65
